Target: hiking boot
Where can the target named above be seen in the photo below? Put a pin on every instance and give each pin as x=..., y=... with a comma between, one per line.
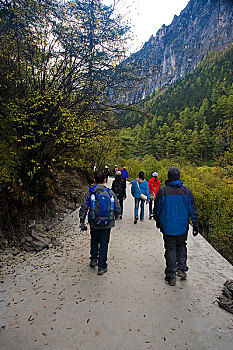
x=135, y=220
x=93, y=263
x=182, y=274
x=102, y=271
x=150, y=217
x=172, y=281
x=120, y=217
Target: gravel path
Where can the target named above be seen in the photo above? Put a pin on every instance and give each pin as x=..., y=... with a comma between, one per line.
x=54, y=300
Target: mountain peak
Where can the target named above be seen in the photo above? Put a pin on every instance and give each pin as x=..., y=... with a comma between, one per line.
x=176, y=49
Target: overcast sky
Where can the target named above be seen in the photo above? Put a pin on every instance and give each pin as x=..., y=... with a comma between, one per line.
x=147, y=16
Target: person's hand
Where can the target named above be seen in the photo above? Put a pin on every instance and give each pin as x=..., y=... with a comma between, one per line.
x=82, y=227
x=195, y=231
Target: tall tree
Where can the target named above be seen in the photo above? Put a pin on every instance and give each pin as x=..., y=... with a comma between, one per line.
x=58, y=61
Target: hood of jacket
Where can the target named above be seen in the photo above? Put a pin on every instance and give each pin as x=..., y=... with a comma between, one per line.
x=177, y=183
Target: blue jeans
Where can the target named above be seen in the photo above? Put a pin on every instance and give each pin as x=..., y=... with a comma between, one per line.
x=142, y=202
x=175, y=254
x=99, y=246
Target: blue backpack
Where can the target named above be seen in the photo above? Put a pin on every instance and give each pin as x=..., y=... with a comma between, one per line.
x=101, y=209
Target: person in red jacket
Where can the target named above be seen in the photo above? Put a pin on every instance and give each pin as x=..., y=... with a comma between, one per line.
x=153, y=189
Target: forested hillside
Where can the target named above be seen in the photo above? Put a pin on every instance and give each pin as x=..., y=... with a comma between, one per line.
x=191, y=119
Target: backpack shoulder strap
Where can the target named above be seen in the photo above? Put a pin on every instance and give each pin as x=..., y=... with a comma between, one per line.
x=92, y=189
x=108, y=191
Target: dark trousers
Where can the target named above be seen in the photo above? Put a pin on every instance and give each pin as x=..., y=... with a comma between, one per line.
x=175, y=254
x=99, y=246
x=121, y=200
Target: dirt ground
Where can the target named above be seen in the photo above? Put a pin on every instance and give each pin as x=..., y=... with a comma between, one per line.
x=54, y=300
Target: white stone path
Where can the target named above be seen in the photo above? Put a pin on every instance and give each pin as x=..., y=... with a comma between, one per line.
x=54, y=300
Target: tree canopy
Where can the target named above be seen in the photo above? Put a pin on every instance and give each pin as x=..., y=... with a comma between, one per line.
x=58, y=61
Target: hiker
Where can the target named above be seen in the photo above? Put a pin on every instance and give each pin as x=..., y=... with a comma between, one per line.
x=124, y=174
x=140, y=192
x=118, y=187
x=102, y=207
x=153, y=189
x=106, y=173
x=174, y=205
x=115, y=169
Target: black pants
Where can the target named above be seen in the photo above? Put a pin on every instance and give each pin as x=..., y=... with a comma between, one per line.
x=121, y=200
x=175, y=254
x=99, y=246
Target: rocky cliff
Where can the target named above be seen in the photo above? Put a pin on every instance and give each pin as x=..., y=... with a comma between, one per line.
x=203, y=26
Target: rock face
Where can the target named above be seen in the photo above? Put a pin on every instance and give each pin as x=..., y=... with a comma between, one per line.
x=203, y=26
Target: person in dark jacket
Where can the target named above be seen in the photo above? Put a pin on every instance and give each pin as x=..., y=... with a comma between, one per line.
x=100, y=235
x=115, y=169
x=174, y=206
x=106, y=173
x=118, y=187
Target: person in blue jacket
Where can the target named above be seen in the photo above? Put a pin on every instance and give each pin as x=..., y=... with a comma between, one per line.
x=124, y=174
x=174, y=206
x=140, y=185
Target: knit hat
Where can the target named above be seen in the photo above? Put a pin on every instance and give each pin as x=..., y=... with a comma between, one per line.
x=155, y=174
x=173, y=173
